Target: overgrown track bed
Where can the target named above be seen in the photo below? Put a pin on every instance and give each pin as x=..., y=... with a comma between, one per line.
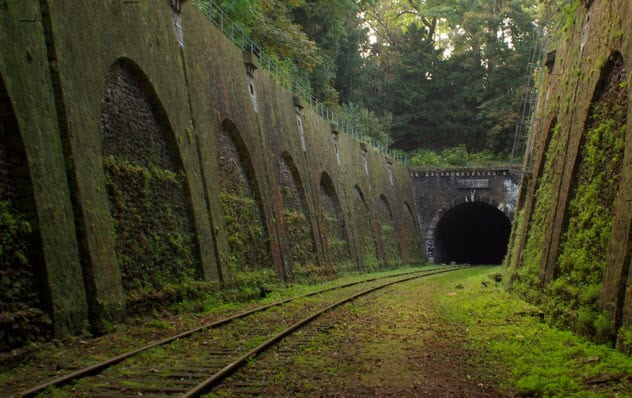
x=190, y=363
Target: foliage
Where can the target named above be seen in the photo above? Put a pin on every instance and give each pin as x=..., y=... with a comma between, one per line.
x=450, y=74
x=624, y=340
x=376, y=128
x=453, y=156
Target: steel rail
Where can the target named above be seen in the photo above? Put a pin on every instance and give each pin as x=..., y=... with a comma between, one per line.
x=219, y=376
x=101, y=366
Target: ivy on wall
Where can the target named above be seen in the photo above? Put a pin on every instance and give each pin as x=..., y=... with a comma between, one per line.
x=248, y=241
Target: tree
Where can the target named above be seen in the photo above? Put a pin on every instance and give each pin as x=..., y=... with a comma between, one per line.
x=452, y=68
x=371, y=126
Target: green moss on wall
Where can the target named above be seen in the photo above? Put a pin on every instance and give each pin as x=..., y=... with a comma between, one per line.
x=624, y=340
x=305, y=264
x=572, y=296
x=338, y=246
x=250, y=260
x=370, y=262
x=512, y=259
x=413, y=239
x=22, y=316
x=155, y=243
x=387, y=233
x=525, y=279
x=389, y=241
x=21, y=319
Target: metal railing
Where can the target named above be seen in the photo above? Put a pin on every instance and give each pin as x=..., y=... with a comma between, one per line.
x=241, y=39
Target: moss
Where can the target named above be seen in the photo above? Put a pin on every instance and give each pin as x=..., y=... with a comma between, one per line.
x=525, y=280
x=570, y=14
x=370, y=262
x=572, y=297
x=338, y=246
x=21, y=318
x=624, y=340
x=512, y=260
x=305, y=266
x=155, y=244
x=247, y=237
x=389, y=242
x=250, y=261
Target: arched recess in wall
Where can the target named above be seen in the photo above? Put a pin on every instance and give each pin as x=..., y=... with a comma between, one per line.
x=147, y=189
x=363, y=224
x=388, y=234
x=296, y=216
x=592, y=196
x=242, y=207
x=23, y=316
x=337, y=242
x=411, y=233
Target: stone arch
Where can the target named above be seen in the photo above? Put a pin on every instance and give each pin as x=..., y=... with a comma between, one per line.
x=388, y=232
x=244, y=217
x=24, y=316
x=591, y=202
x=435, y=241
x=296, y=216
x=336, y=237
x=149, y=197
x=363, y=223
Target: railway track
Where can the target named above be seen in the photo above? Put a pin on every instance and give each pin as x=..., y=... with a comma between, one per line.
x=194, y=362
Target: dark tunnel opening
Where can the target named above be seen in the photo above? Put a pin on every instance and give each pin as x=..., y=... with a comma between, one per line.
x=472, y=233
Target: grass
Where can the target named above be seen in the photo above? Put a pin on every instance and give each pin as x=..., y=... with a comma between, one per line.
x=540, y=360
x=504, y=340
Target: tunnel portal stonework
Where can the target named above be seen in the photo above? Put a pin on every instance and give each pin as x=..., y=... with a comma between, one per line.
x=440, y=193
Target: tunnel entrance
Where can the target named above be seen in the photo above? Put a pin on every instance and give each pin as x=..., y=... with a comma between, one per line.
x=474, y=233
